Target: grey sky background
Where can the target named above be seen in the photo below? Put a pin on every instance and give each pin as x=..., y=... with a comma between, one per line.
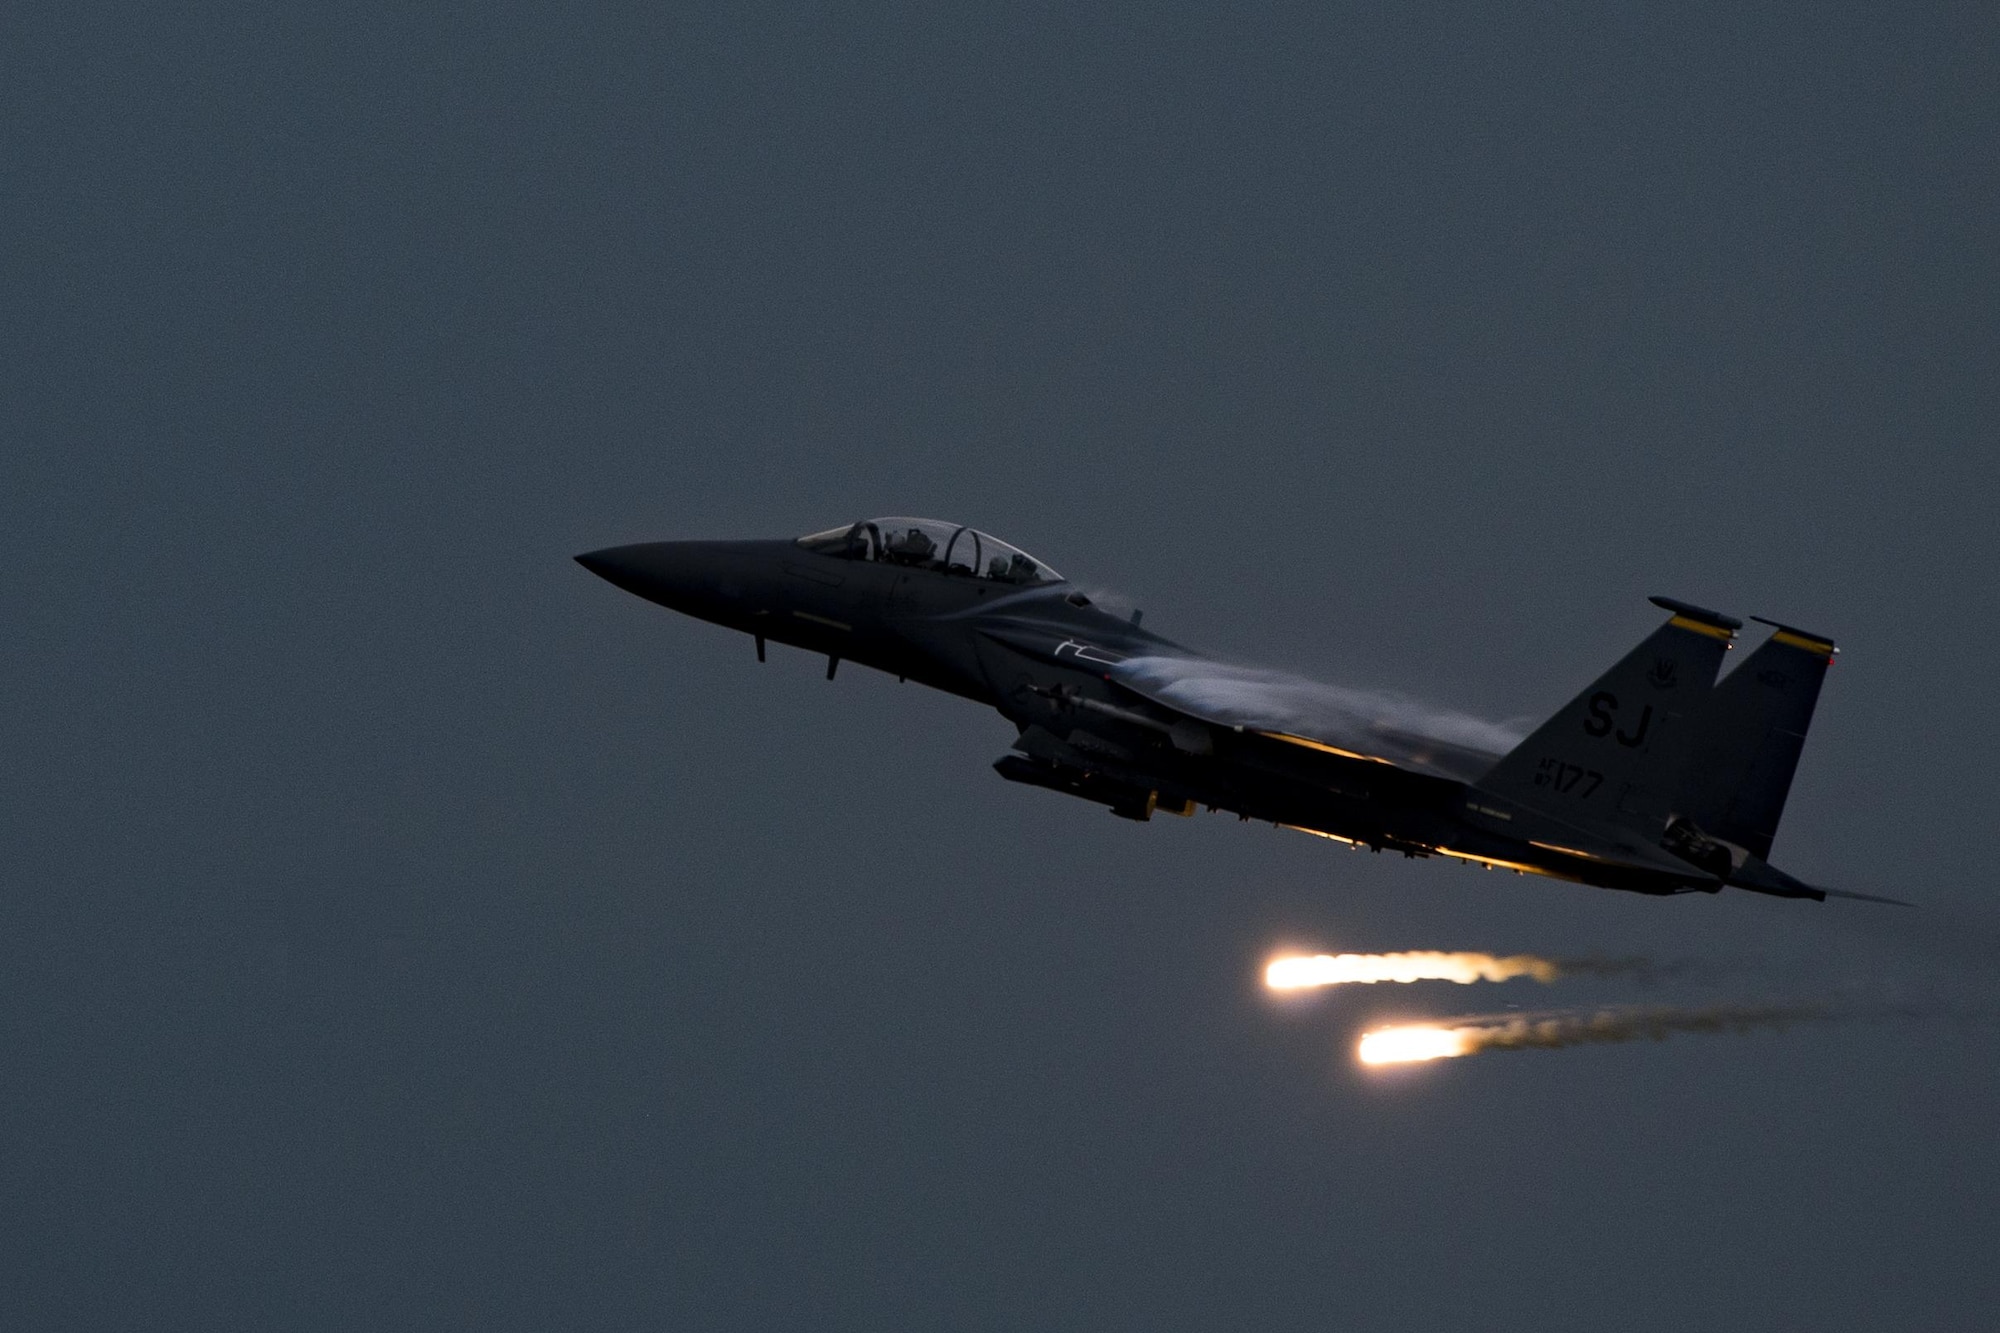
x=403, y=929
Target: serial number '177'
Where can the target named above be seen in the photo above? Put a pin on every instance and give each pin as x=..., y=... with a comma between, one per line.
x=1565, y=778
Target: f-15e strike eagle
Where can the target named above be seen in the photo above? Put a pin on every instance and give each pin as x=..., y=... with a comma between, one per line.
x=1656, y=778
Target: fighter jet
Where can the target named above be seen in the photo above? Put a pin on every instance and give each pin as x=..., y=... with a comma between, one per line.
x=1656, y=778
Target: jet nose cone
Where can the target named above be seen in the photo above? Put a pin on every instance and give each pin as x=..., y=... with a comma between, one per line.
x=713, y=580
x=624, y=566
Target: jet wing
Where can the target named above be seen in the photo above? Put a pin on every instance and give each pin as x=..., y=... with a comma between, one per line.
x=1352, y=724
x=1347, y=724
x=1354, y=731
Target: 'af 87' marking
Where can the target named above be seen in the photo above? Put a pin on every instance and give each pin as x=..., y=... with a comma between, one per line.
x=1564, y=778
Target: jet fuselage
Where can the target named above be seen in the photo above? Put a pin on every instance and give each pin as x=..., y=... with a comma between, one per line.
x=1049, y=660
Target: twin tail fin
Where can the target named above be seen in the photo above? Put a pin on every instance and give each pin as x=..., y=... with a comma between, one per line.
x=1657, y=753
x=1614, y=756
x=1747, y=741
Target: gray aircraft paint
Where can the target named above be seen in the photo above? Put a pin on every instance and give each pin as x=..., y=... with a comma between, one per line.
x=1602, y=793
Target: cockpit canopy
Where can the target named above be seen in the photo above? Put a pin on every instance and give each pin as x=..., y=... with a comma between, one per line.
x=925, y=543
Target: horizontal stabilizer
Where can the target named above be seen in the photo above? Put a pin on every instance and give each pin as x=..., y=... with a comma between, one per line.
x=1866, y=897
x=1760, y=876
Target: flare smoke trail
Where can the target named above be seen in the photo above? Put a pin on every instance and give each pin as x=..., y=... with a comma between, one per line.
x=1366, y=969
x=1407, y=1043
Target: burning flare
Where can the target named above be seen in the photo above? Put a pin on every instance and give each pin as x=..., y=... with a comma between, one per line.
x=1405, y=1044
x=1301, y=973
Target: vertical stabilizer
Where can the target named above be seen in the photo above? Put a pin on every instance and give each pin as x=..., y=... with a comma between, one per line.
x=1614, y=755
x=1748, y=739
